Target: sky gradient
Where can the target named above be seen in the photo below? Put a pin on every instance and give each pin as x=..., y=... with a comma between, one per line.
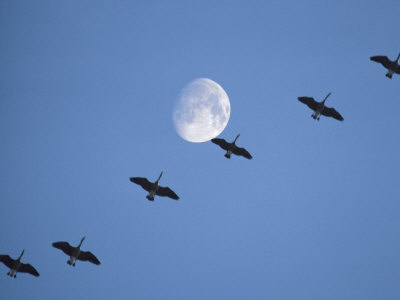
x=87, y=90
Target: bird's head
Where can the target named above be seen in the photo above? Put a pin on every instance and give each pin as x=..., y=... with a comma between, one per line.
x=22, y=253
x=82, y=241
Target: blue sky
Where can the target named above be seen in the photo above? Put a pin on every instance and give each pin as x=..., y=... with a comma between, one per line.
x=87, y=91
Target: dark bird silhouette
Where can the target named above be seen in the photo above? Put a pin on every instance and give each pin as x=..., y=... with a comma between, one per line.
x=154, y=188
x=16, y=266
x=232, y=148
x=392, y=66
x=75, y=253
x=319, y=108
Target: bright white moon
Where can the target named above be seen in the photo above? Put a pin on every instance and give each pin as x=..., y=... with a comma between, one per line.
x=202, y=111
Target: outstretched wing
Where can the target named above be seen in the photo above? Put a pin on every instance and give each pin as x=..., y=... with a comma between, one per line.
x=242, y=152
x=309, y=101
x=166, y=192
x=88, y=256
x=222, y=143
x=384, y=60
x=331, y=112
x=7, y=260
x=397, y=69
x=65, y=247
x=143, y=182
x=27, y=268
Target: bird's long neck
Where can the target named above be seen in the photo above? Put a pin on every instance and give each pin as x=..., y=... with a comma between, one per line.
x=397, y=59
x=326, y=98
x=80, y=244
x=159, y=177
x=22, y=253
x=236, y=139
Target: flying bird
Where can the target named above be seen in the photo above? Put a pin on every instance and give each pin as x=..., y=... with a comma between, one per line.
x=75, y=253
x=16, y=266
x=232, y=148
x=319, y=108
x=392, y=66
x=154, y=188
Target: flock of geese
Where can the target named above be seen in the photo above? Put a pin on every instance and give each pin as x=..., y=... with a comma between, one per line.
x=75, y=253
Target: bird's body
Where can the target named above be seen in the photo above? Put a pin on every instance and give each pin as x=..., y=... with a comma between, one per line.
x=319, y=108
x=16, y=266
x=75, y=253
x=392, y=66
x=154, y=188
x=74, y=256
x=152, y=193
x=231, y=148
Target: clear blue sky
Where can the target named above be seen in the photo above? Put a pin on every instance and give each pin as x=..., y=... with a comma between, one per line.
x=86, y=94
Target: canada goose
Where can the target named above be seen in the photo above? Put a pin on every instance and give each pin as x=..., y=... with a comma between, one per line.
x=319, y=108
x=232, y=148
x=392, y=66
x=76, y=253
x=16, y=266
x=154, y=188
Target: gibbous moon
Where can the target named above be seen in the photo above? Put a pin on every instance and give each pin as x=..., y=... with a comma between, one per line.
x=202, y=111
